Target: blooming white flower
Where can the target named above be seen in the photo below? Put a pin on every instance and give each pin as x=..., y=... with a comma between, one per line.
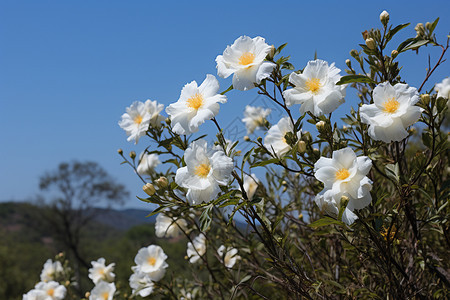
x=245, y=58
x=35, y=294
x=151, y=260
x=443, y=90
x=135, y=121
x=228, y=256
x=315, y=89
x=51, y=270
x=147, y=163
x=250, y=185
x=153, y=109
x=392, y=112
x=140, y=283
x=52, y=289
x=275, y=140
x=103, y=291
x=195, y=105
x=196, y=249
x=101, y=272
x=344, y=175
x=254, y=117
x=168, y=227
x=205, y=170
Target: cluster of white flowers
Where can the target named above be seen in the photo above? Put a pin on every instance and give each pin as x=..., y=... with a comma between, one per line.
x=196, y=249
x=150, y=266
x=254, y=117
x=51, y=270
x=50, y=290
x=275, y=140
x=102, y=276
x=103, y=291
x=228, y=256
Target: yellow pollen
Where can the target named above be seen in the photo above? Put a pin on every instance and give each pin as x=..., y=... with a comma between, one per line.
x=246, y=58
x=195, y=101
x=50, y=292
x=202, y=170
x=152, y=261
x=313, y=85
x=105, y=295
x=138, y=119
x=391, y=106
x=342, y=174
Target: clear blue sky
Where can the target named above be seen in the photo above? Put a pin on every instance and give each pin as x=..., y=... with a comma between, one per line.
x=68, y=69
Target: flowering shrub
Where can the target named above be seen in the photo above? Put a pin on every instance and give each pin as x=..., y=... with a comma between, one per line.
x=353, y=211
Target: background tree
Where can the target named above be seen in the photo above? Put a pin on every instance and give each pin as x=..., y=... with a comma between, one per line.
x=73, y=191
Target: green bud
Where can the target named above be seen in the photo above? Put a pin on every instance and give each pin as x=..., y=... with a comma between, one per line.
x=384, y=18
x=301, y=147
x=162, y=182
x=133, y=155
x=149, y=189
x=370, y=43
x=120, y=151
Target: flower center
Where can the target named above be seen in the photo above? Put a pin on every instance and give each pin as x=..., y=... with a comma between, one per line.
x=195, y=101
x=202, y=170
x=105, y=295
x=246, y=58
x=50, y=292
x=138, y=119
x=313, y=85
x=342, y=174
x=151, y=261
x=391, y=106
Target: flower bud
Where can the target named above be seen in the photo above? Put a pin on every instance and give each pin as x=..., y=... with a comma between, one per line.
x=133, y=155
x=354, y=53
x=420, y=30
x=87, y=295
x=271, y=53
x=348, y=63
x=284, y=182
x=162, y=182
x=344, y=128
x=316, y=151
x=370, y=43
x=259, y=139
x=168, y=121
x=394, y=53
x=301, y=147
x=425, y=98
x=428, y=25
x=320, y=125
x=120, y=151
x=246, y=138
x=384, y=18
x=344, y=201
x=149, y=189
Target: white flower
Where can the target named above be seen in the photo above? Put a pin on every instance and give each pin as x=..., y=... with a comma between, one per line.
x=135, y=121
x=151, y=260
x=168, y=227
x=51, y=270
x=443, y=90
x=228, y=144
x=103, y=291
x=228, y=256
x=205, y=170
x=275, y=140
x=52, y=289
x=245, y=58
x=153, y=109
x=392, y=112
x=315, y=89
x=344, y=175
x=35, y=294
x=101, y=272
x=140, y=283
x=195, y=105
x=147, y=163
x=196, y=250
x=254, y=117
x=250, y=185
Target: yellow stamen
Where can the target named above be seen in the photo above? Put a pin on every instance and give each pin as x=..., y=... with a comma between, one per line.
x=105, y=295
x=151, y=261
x=313, y=85
x=138, y=119
x=195, y=101
x=202, y=170
x=342, y=174
x=391, y=106
x=246, y=58
x=50, y=292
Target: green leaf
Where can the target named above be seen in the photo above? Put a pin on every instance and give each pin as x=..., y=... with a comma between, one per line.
x=416, y=44
x=227, y=90
x=404, y=44
x=392, y=171
x=325, y=221
x=426, y=139
x=205, y=219
x=433, y=25
x=392, y=32
x=355, y=78
x=266, y=162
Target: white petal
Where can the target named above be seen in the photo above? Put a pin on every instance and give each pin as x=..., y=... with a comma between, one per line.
x=245, y=79
x=209, y=87
x=348, y=217
x=264, y=71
